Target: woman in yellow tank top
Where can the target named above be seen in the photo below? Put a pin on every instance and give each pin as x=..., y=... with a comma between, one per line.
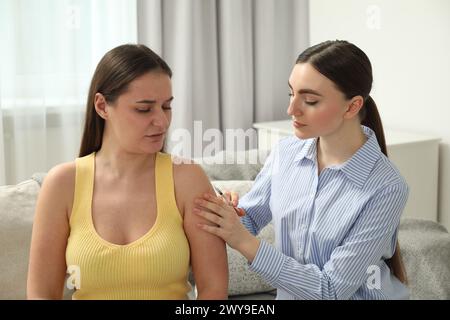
x=119, y=218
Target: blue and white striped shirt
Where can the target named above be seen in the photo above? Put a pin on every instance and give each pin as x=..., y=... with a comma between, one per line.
x=333, y=231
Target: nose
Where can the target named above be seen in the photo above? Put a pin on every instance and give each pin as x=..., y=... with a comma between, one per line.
x=160, y=119
x=294, y=108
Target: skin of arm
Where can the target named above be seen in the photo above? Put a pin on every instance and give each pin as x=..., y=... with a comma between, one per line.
x=47, y=261
x=217, y=210
x=208, y=252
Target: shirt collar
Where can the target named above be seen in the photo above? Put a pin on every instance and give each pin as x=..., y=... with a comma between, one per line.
x=309, y=151
x=357, y=169
x=360, y=165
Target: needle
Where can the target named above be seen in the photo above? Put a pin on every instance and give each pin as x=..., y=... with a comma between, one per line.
x=240, y=212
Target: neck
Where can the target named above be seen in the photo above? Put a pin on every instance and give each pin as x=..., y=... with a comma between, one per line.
x=341, y=145
x=120, y=163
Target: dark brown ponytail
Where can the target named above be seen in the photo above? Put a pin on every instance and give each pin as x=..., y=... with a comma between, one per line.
x=351, y=71
x=371, y=118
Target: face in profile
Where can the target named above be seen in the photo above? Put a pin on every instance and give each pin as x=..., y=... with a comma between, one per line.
x=140, y=117
x=316, y=106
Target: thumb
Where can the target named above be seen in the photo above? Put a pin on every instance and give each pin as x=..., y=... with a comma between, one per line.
x=234, y=198
x=227, y=196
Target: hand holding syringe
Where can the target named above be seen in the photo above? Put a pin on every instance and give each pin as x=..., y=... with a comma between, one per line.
x=231, y=201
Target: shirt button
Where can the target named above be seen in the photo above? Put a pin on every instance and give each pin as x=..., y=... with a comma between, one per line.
x=312, y=196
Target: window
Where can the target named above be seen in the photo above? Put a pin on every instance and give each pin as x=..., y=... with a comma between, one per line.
x=51, y=47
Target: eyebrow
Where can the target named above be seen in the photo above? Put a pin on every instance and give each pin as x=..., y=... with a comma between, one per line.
x=305, y=91
x=145, y=101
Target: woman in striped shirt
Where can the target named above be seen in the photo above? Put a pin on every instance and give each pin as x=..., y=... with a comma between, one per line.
x=333, y=196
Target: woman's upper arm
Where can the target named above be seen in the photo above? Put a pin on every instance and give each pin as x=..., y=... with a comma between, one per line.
x=208, y=252
x=47, y=263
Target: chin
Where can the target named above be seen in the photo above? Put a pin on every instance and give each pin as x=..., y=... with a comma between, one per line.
x=303, y=135
x=152, y=148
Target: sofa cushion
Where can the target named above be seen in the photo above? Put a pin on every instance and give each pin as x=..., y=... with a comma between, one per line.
x=241, y=165
x=241, y=280
x=425, y=247
x=39, y=177
x=17, y=204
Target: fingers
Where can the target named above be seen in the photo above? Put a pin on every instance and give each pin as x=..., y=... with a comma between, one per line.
x=227, y=196
x=240, y=212
x=214, y=218
x=235, y=198
x=220, y=204
x=213, y=230
x=232, y=197
x=212, y=203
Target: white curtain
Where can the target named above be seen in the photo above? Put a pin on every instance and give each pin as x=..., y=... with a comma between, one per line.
x=49, y=50
x=231, y=59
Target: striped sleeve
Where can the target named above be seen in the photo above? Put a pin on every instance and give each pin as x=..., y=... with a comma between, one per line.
x=372, y=235
x=256, y=201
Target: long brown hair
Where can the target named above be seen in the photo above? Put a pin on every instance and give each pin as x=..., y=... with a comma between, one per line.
x=351, y=71
x=111, y=78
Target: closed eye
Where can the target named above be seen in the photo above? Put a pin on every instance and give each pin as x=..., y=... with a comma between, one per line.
x=311, y=103
x=143, y=110
x=149, y=104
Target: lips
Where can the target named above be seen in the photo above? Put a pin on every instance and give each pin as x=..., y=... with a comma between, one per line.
x=298, y=124
x=156, y=135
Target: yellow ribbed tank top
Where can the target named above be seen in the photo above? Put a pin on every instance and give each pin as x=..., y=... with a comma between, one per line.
x=155, y=266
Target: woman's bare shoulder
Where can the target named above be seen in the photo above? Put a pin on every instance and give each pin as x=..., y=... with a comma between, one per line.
x=62, y=174
x=186, y=170
x=190, y=180
x=59, y=185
